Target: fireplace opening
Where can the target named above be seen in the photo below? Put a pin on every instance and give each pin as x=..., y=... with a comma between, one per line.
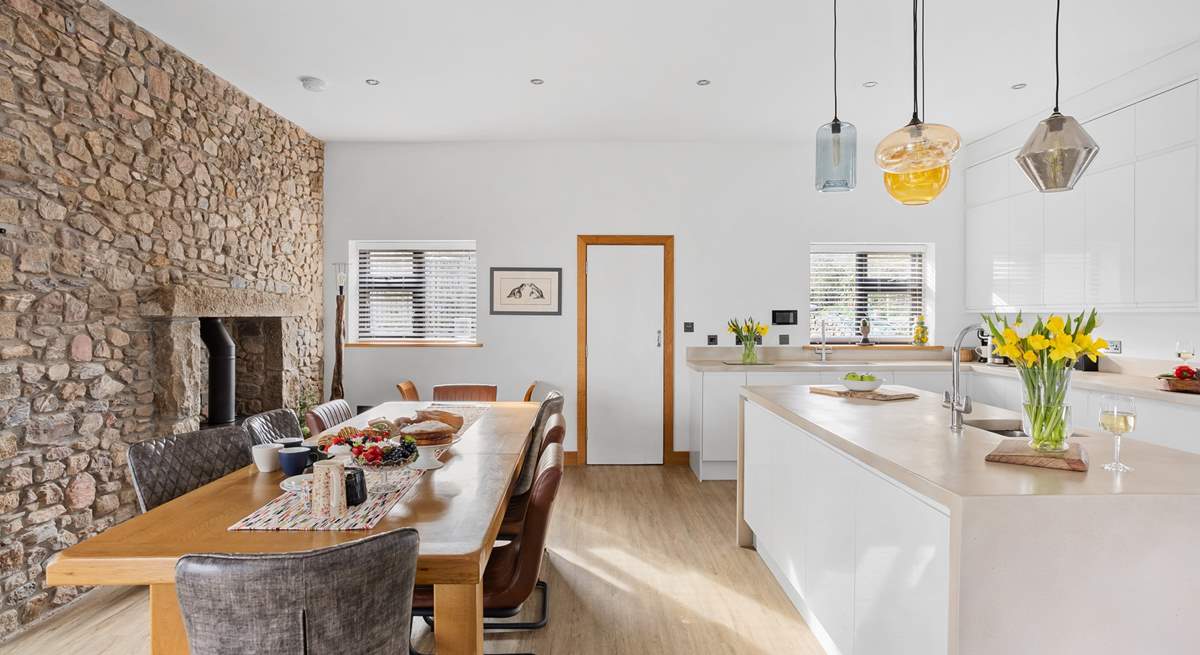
x=222, y=375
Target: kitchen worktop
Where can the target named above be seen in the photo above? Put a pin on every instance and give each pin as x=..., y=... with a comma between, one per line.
x=909, y=441
x=1133, y=385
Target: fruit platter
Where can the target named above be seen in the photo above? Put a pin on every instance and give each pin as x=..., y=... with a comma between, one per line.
x=861, y=381
x=373, y=446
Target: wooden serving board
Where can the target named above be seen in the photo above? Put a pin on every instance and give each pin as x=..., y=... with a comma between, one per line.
x=1182, y=386
x=1017, y=451
x=882, y=393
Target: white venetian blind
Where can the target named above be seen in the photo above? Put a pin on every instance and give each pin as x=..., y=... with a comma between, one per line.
x=884, y=284
x=423, y=291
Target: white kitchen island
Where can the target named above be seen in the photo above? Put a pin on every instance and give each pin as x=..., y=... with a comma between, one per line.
x=893, y=536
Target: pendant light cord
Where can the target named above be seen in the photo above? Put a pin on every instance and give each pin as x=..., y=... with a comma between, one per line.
x=924, y=109
x=835, y=104
x=1057, y=14
x=914, y=116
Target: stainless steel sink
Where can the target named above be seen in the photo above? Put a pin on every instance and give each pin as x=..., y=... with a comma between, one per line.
x=1005, y=427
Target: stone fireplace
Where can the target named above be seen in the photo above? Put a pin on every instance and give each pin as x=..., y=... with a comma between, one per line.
x=260, y=324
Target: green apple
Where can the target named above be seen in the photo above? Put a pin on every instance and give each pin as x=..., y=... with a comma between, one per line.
x=852, y=376
x=867, y=377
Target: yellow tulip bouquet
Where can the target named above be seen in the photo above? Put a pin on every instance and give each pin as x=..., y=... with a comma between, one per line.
x=746, y=332
x=1045, y=355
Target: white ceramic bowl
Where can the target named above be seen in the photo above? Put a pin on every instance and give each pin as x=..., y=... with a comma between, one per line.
x=860, y=385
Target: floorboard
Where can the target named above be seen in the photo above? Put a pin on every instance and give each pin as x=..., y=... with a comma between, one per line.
x=641, y=559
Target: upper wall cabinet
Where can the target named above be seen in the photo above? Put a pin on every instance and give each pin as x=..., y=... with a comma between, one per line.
x=1125, y=238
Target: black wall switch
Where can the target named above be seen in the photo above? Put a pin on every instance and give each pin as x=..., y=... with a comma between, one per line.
x=758, y=339
x=712, y=339
x=689, y=326
x=785, y=339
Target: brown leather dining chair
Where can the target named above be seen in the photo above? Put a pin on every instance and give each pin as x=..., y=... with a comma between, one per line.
x=518, y=505
x=529, y=393
x=321, y=417
x=477, y=392
x=512, y=571
x=408, y=390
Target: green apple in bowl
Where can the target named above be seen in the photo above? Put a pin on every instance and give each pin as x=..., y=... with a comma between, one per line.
x=861, y=381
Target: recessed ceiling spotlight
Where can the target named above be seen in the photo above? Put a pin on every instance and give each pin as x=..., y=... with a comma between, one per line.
x=311, y=83
x=870, y=84
x=1018, y=86
x=537, y=81
x=372, y=81
x=703, y=82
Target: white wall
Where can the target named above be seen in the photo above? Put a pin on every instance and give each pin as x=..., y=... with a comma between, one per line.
x=1147, y=335
x=742, y=215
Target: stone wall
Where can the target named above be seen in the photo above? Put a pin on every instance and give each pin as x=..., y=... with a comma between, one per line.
x=124, y=167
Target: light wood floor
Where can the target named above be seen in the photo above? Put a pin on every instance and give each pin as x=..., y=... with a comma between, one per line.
x=641, y=560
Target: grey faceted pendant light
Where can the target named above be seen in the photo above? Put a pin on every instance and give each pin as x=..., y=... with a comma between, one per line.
x=1059, y=150
x=837, y=142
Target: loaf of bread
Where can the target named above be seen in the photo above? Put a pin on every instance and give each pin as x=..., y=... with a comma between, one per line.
x=429, y=433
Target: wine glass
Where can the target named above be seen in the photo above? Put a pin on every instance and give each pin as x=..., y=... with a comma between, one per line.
x=1185, y=350
x=1118, y=416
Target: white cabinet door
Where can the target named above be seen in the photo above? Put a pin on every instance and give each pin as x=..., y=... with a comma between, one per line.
x=1165, y=228
x=995, y=390
x=1025, y=250
x=987, y=182
x=1167, y=424
x=1114, y=133
x=829, y=539
x=1108, y=199
x=1064, y=254
x=902, y=575
x=1083, y=410
x=758, y=450
x=935, y=381
x=768, y=379
x=1166, y=120
x=721, y=415
x=986, y=249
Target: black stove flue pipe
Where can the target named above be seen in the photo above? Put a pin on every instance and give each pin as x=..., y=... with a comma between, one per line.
x=221, y=362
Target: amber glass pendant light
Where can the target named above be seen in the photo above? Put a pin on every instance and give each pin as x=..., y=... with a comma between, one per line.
x=837, y=142
x=1059, y=150
x=916, y=158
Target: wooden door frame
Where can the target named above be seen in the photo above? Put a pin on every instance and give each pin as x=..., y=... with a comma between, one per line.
x=670, y=456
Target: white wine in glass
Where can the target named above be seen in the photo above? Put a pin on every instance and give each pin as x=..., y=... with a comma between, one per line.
x=1118, y=416
x=1185, y=350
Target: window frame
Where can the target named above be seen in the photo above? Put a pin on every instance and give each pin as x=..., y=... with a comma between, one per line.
x=356, y=246
x=861, y=250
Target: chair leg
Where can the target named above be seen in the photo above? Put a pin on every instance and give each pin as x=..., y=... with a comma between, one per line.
x=541, y=621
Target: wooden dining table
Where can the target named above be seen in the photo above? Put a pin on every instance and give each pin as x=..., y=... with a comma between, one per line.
x=457, y=509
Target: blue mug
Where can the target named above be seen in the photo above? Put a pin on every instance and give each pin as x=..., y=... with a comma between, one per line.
x=290, y=442
x=293, y=460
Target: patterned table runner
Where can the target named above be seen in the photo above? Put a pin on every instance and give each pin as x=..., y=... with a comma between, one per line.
x=290, y=510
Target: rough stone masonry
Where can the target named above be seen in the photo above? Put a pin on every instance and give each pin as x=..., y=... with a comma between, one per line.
x=124, y=167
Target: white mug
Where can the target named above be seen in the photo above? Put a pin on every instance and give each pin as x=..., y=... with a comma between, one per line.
x=266, y=456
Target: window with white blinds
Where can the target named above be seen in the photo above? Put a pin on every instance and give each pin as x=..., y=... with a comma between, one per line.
x=413, y=291
x=883, y=283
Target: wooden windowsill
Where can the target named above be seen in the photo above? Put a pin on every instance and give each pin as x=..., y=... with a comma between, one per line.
x=411, y=344
x=877, y=346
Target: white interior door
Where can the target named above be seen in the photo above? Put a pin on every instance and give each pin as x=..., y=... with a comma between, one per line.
x=624, y=354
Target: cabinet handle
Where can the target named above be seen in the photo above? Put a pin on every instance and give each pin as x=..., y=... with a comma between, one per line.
x=658, y=343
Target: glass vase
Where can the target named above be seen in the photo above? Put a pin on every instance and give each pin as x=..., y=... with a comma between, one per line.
x=1045, y=413
x=749, y=352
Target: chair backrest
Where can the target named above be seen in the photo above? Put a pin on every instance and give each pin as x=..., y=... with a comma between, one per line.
x=356, y=596
x=478, y=392
x=168, y=467
x=269, y=427
x=555, y=432
x=321, y=417
x=532, y=540
x=529, y=392
x=408, y=390
x=553, y=404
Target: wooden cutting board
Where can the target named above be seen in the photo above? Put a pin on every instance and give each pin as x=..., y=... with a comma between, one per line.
x=882, y=393
x=1017, y=451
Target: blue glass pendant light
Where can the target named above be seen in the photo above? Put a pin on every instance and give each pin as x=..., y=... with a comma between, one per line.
x=837, y=142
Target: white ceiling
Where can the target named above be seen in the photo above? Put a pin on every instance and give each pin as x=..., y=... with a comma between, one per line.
x=626, y=69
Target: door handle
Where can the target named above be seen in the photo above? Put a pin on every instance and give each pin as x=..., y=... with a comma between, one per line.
x=658, y=343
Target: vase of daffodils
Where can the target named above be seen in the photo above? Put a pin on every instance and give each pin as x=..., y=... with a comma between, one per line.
x=1045, y=354
x=747, y=333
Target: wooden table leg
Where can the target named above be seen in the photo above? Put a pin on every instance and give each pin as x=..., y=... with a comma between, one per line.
x=167, y=634
x=458, y=613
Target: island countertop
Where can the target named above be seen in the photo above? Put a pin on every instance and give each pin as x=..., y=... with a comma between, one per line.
x=910, y=441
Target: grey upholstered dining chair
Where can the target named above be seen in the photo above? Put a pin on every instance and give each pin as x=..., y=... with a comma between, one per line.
x=553, y=404
x=168, y=467
x=353, y=597
x=322, y=417
x=269, y=427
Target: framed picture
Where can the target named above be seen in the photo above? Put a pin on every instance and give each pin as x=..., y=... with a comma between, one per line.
x=526, y=291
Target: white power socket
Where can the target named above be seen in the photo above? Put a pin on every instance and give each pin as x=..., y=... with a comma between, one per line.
x=1114, y=347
